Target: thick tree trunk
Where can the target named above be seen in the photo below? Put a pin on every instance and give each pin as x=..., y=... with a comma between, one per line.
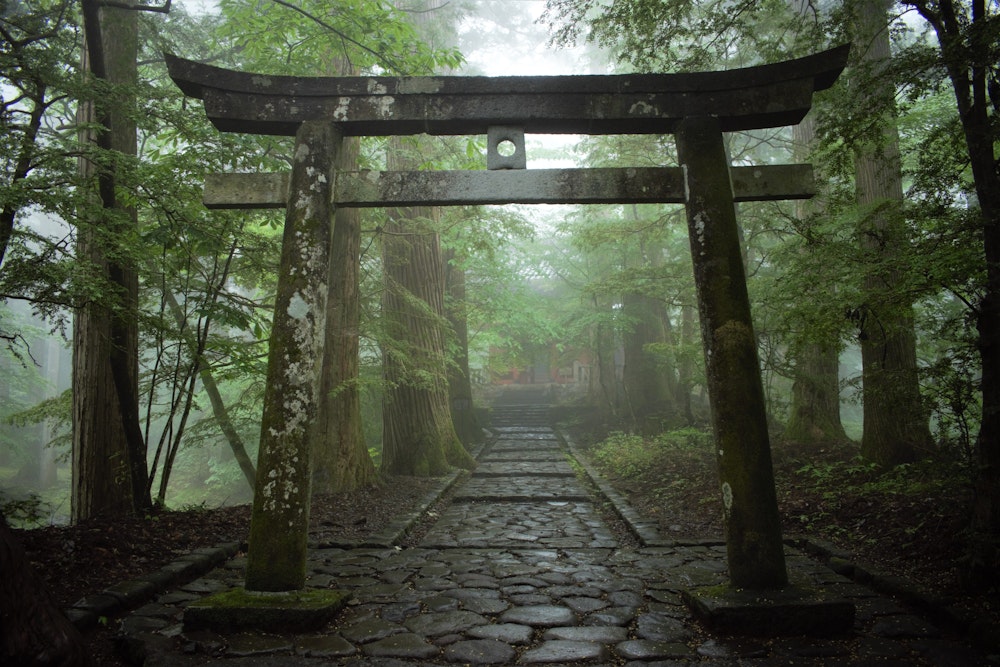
x=341, y=461
x=33, y=631
x=648, y=380
x=644, y=380
x=986, y=508
x=895, y=424
x=463, y=414
x=604, y=388
x=418, y=435
x=985, y=525
x=970, y=63
x=685, y=366
x=108, y=466
x=815, y=410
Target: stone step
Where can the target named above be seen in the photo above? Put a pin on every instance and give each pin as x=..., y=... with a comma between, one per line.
x=556, y=468
x=552, y=524
x=526, y=456
x=526, y=433
x=521, y=488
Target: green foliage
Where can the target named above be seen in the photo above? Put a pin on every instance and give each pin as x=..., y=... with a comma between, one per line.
x=38, y=152
x=789, y=254
x=858, y=478
x=671, y=35
x=27, y=511
x=293, y=38
x=629, y=456
x=626, y=455
x=56, y=412
x=524, y=294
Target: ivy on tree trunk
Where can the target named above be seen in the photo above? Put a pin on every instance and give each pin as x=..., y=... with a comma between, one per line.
x=418, y=435
x=814, y=416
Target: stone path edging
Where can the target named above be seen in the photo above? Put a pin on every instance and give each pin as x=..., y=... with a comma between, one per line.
x=644, y=530
x=441, y=608
x=396, y=530
x=128, y=595
x=932, y=606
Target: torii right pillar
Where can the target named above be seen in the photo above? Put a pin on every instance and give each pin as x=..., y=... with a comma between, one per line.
x=739, y=418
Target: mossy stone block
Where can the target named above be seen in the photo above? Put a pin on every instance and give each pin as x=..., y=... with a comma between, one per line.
x=238, y=610
x=791, y=610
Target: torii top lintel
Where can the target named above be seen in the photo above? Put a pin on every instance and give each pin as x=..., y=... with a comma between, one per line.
x=771, y=95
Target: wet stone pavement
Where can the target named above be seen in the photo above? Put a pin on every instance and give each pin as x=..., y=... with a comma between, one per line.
x=521, y=567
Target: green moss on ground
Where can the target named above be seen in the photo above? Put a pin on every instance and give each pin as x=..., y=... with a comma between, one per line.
x=310, y=598
x=238, y=609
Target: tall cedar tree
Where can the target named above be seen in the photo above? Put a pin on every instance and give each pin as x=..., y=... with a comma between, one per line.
x=895, y=424
x=647, y=384
x=341, y=461
x=814, y=415
x=419, y=437
x=463, y=414
x=109, y=464
x=969, y=39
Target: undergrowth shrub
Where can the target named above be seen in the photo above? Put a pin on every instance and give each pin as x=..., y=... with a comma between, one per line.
x=623, y=454
x=859, y=477
x=628, y=455
x=27, y=511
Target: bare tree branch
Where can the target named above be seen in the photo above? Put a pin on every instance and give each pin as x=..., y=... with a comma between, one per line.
x=425, y=11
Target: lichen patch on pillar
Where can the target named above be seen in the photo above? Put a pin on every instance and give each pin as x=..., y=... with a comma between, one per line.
x=727, y=498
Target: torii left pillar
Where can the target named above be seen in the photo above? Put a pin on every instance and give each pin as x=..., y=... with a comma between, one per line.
x=279, y=525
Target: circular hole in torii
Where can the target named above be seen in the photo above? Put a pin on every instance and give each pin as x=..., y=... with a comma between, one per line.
x=506, y=148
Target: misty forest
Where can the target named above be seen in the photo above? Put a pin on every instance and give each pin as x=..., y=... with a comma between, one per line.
x=137, y=324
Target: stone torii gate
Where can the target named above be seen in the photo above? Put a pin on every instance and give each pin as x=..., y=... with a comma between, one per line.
x=696, y=108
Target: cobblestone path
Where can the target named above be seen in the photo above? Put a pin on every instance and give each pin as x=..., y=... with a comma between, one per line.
x=520, y=568
x=525, y=493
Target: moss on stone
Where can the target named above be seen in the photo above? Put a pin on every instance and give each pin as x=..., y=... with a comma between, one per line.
x=717, y=591
x=800, y=608
x=240, y=597
x=238, y=609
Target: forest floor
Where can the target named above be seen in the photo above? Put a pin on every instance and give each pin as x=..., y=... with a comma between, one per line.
x=908, y=524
